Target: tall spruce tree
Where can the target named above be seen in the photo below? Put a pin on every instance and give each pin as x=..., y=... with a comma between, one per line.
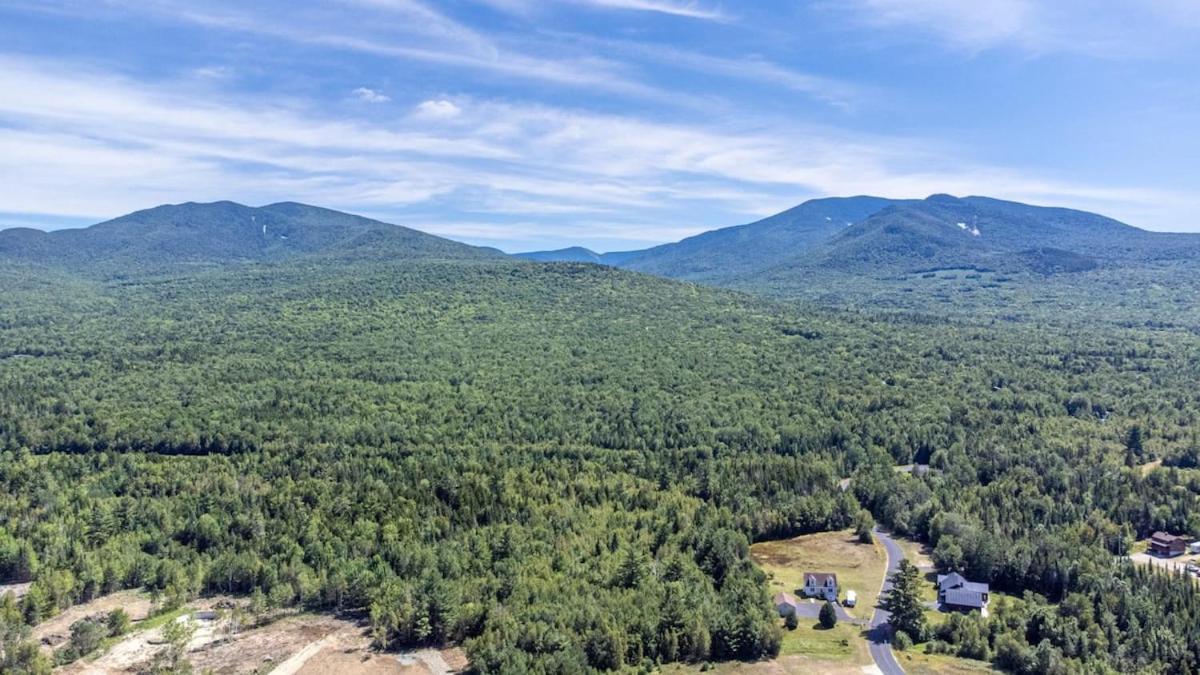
x=828, y=616
x=904, y=602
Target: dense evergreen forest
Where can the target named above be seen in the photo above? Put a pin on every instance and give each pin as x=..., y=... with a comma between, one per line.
x=562, y=466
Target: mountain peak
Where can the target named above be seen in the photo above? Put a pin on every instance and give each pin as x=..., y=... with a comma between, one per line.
x=569, y=254
x=226, y=231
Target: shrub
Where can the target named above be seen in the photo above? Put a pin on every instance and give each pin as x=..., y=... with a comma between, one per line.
x=828, y=615
x=117, y=622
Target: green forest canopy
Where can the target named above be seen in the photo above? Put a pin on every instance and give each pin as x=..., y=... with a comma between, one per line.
x=563, y=465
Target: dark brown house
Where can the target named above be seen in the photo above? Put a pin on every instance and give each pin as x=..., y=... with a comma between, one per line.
x=1167, y=545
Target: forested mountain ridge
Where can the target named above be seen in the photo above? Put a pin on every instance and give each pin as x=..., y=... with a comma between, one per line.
x=813, y=246
x=578, y=254
x=944, y=231
x=973, y=258
x=571, y=254
x=223, y=232
x=744, y=250
x=458, y=448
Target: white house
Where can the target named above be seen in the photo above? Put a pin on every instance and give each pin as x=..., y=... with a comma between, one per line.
x=821, y=585
x=955, y=591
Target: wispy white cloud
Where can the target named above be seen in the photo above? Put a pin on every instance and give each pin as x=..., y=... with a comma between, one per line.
x=976, y=25
x=437, y=109
x=213, y=72
x=431, y=23
x=123, y=145
x=370, y=95
x=749, y=68
x=416, y=42
x=1119, y=28
x=691, y=10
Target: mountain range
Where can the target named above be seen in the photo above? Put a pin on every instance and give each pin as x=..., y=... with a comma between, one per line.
x=817, y=245
x=872, y=236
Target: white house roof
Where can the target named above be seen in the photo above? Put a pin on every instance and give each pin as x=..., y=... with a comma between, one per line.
x=819, y=578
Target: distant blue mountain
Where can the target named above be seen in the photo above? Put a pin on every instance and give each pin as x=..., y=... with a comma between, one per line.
x=228, y=232
x=880, y=237
x=579, y=254
x=743, y=249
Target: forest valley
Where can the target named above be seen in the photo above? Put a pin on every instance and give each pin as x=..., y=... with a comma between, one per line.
x=562, y=467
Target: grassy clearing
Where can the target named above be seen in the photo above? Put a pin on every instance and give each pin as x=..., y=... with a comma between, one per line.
x=784, y=665
x=917, y=552
x=915, y=662
x=840, y=643
x=860, y=567
x=150, y=623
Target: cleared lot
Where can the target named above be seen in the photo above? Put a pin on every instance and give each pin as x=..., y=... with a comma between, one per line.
x=286, y=644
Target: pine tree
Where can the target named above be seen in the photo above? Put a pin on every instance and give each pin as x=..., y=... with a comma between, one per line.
x=792, y=621
x=1133, y=442
x=828, y=616
x=630, y=570
x=904, y=602
x=863, y=524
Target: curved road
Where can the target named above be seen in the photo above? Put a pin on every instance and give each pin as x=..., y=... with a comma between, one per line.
x=880, y=635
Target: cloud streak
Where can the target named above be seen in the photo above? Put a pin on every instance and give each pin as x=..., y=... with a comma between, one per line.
x=690, y=10
x=122, y=145
x=1122, y=29
x=370, y=95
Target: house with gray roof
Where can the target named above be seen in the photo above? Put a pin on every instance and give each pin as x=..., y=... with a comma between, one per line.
x=821, y=585
x=954, y=591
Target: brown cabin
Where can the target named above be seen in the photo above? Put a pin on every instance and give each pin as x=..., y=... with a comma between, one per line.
x=1167, y=545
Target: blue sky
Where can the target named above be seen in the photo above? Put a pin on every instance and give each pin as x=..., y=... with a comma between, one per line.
x=613, y=124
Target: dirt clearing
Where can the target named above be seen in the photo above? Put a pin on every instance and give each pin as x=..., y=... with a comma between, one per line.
x=287, y=644
x=53, y=633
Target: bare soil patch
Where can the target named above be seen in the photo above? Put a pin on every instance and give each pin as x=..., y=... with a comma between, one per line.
x=18, y=590
x=265, y=648
x=292, y=644
x=331, y=661
x=53, y=633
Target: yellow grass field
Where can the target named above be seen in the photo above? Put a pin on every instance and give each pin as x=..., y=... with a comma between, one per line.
x=859, y=567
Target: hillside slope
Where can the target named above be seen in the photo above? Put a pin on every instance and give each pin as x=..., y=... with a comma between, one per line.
x=579, y=254
x=737, y=251
x=944, y=231
x=223, y=232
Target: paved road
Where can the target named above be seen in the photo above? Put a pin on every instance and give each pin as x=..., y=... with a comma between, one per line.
x=811, y=609
x=881, y=631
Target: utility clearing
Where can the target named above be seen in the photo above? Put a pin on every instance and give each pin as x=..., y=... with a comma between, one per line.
x=282, y=642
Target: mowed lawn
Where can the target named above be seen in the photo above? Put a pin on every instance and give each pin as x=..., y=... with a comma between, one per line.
x=918, y=554
x=859, y=567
